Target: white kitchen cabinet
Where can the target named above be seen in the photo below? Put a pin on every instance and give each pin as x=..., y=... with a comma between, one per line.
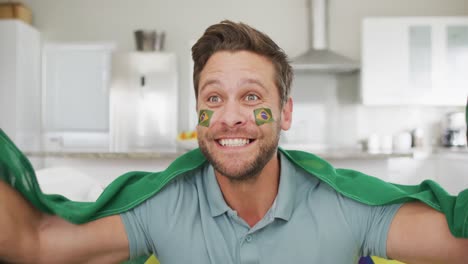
x=20, y=95
x=414, y=60
x=106, y=170
x=76, y=95
x=378, y=168
x=449, y=170
x=452, y=171
x=412, y=171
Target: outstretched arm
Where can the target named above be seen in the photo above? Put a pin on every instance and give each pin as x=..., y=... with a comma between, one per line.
x=29, y=236
x=420, y=234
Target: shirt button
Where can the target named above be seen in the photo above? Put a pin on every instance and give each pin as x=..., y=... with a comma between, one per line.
x=248, y=238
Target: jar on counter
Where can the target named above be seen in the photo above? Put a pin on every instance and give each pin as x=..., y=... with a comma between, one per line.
x=402, y=142
x=417, y=138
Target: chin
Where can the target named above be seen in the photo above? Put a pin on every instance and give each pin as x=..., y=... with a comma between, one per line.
x=239, y=167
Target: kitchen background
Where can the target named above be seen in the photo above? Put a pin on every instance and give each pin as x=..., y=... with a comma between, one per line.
x=91, y=106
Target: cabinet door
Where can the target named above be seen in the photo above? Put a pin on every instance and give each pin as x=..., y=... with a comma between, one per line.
x=454, y=63
x=76, y=93
x=28, y=88
x=451, y=171
x=76, y=87
x=414, y=60
x=385, y=63
x=19, y=83
x=8, y=62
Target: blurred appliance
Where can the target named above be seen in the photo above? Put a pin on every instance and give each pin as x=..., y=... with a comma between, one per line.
x=318, y=58
x=144, y=102
x=20, y=90
x=149, y=40
x=454, y=130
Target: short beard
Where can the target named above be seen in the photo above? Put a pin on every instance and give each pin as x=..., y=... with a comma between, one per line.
x=253, y=169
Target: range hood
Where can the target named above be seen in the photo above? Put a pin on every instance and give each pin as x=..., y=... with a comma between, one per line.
x=318, y=58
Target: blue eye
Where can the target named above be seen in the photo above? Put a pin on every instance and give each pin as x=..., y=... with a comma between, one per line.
x=251, y=97
x=214, y=99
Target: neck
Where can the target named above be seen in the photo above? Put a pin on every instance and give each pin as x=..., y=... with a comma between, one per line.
x=254, y=197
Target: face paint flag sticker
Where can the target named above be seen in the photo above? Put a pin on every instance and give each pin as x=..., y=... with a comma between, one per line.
x=263, y=116
x=204, y=117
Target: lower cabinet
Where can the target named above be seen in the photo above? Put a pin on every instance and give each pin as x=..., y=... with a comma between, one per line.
x=103, y=170
x=452, y=172
x=449, y=170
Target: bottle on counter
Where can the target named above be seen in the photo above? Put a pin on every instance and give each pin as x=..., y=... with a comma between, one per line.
x=402, y=142
x=417, y=138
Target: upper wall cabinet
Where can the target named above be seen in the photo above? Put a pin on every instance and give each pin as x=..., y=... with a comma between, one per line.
x=414, y=60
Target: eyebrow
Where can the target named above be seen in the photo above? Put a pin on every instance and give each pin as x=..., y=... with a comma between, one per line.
x=252, y=81
x=209, y=82
x=240, y=83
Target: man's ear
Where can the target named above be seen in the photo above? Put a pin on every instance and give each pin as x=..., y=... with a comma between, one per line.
x=286, y=114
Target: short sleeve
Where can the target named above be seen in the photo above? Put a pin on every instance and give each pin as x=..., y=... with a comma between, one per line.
x=136, y=226
x=370, y=225
x=151, y=224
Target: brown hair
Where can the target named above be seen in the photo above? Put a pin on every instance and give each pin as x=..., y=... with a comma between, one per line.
x=231, y=36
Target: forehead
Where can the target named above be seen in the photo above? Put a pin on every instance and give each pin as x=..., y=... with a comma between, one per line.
x=228, y=68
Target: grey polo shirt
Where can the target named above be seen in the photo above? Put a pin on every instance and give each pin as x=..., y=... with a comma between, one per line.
x=189, y=222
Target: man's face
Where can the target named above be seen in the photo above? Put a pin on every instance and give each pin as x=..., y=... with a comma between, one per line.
x=233, y=85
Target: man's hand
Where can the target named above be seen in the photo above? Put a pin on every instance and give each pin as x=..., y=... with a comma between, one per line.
x=420, y=234
x=29, y=236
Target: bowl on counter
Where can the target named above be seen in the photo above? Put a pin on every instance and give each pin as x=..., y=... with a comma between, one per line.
x=187, y=140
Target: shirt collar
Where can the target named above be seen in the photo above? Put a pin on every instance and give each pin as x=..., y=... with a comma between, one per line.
x=284, y=201
x=218, y=205
x=286, y=190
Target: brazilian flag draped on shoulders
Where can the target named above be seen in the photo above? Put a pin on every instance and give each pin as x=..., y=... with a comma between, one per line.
x=132, y=188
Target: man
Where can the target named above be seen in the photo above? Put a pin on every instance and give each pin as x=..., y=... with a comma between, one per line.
x=250, y=203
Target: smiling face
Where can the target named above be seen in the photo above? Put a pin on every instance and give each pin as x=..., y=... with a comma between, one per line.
x=233, y=85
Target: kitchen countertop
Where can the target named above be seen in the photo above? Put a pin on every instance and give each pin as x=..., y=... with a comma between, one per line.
x=329, y=154
x=104, y=155
x=360, y=155
x=460, y=153
x=462, y=150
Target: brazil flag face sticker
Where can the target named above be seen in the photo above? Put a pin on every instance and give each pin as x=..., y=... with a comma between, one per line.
x=263, y=116
x=204, y=117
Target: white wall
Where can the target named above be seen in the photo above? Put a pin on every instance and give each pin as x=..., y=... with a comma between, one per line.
x=183, y=21
x=286, y=21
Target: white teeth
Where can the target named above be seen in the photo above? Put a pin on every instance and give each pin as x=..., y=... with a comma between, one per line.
x=233, y=142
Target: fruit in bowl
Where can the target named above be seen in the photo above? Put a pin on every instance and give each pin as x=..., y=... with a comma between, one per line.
x=187, y=135
x=187, y=140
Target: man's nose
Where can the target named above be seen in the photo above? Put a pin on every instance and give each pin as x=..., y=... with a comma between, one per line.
x=233, y=115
